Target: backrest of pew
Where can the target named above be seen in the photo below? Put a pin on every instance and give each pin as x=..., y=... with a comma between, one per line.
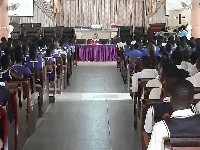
x=59, y=63
x=3, y=116
x=21, y=107
x=182, y=143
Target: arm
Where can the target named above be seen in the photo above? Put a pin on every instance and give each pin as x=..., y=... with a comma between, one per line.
x=157, y=137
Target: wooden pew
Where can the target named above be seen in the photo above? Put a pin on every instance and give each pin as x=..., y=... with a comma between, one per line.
x=20, y=111
x=65, y=69
x=5, y=123
x=60, y=76
x=182, y=143
x=52, y=88
x=43, y=89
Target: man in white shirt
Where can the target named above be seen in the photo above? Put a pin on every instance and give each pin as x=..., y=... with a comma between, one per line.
x=145, y=73
x=181, y=95
x=195, y=80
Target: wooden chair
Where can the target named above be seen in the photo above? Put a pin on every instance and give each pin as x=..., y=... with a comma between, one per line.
x=132, y=61
x=65, y=68
x=182, y=143
x=137, y=98
x=60, y=76
x=20, y=110
x=4, y=118
x=52, y=87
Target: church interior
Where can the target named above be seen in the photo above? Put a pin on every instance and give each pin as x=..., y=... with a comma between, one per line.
x=99, y=74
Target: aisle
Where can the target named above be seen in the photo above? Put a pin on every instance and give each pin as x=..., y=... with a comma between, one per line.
x=94, y=113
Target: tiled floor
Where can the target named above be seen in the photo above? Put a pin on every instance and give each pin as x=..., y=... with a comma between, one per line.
x=94, y=113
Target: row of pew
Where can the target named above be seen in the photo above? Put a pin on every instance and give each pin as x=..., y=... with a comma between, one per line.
x=141, y=104
x=30, y=99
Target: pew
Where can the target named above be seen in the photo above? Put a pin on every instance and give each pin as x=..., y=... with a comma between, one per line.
x=182, y=143
x=52, y=87
x=5, y=123
x=60, y=75
x=20, y=112
x=42, y=88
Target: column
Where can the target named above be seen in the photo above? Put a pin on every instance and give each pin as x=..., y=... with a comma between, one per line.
x=4, y=19
x=195, y=19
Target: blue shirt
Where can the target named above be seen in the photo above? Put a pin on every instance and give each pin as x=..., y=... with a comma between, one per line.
x=21, y=69
x=5, y=76
x=144, y=52
x=133, y=53
x=34, y=64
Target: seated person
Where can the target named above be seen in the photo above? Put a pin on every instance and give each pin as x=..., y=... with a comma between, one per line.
x=185, y=64
x=183, y=122
x=176, y=58
x=146, y=72
x=192, y=69
x=7, y=73
x=49, y=57
x=195, y=80
x=155, y=113
x=33, y=61
x=18, y=63
x=134, y=52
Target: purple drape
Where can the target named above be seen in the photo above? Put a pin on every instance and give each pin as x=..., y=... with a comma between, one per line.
x=96, y=52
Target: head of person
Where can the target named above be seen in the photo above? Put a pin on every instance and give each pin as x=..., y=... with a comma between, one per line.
x=56, y=42
x=5, y=62
x=7, y=51
x=172, y=77
x=136, y=46
x=33, y=53
x=198, y=64
x=186, y=55
x=168, y=47
x=193, y=57
x=165, y=69
x=18, y=55
x=25, y=49
x=151, y=47
x=176, y=57
x=41, y=43
x=146, y=62
x=181, y=94
x=49, y=52
x=192, y=44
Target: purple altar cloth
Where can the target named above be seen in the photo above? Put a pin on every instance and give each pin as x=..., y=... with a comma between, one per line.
x=96, y=52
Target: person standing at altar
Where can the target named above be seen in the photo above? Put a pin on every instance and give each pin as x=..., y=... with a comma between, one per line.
x=182, y=32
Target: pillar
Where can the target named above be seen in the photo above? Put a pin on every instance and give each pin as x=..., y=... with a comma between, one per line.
x=4, y=19
x=195, y=19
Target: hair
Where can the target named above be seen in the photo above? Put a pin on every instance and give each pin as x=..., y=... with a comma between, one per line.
x=168, y=47
x=5, y=60
x=41, y=43
x=151, y=47
x=146, y=62
x=136, y=46
x=193, y=57
x=176, y=57
x=182, y=92
x=51, y=46
x=49, y=52
x=198, y=63
x=25, y=49
x=186, y=55
x=18, y=56
x=33, y=53
x=192, y=44
x=7, y=51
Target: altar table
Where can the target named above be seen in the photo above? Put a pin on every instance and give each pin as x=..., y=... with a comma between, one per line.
x=96, y=52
